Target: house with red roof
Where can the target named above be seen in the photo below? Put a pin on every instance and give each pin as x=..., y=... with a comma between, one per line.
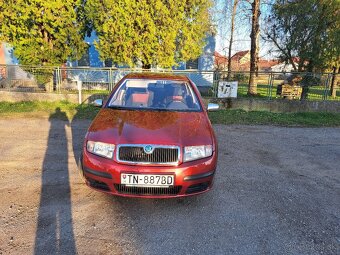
x=240, y=61
x=220, y=61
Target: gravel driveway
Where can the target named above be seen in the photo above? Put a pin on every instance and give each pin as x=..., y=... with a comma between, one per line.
x=277, y=191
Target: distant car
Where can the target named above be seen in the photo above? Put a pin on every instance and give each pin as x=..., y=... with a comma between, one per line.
x=152, y=138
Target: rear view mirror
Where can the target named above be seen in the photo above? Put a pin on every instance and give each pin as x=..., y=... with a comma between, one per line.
x=213, y=107
x=98, y=102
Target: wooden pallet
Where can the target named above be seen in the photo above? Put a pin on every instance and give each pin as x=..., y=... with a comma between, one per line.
x=291, y=91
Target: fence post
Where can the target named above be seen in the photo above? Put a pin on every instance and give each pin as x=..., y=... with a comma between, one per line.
x=270, y=86
x=326, y=88
x=333, y=85
x=56, y=73
x=79, y=85
x=9, y=74
x=110, y=79
x=216, y=79
x=8, y=78
x=213, y=85
x=60, y=79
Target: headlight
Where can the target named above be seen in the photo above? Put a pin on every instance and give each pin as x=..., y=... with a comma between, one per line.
x=197, y=152
x=100, y=149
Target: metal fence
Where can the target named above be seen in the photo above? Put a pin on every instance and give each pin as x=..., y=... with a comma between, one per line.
x=270, y=85
x=298, y=86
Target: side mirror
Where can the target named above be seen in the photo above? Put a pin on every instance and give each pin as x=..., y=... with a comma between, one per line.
x=213, y=107
x=98, y=102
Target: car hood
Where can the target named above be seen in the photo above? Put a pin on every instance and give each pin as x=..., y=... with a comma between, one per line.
x=150, y=127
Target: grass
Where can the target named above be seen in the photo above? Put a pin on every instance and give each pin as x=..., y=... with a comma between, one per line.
x=66, y=110
x=307, y=119
x=69, y=111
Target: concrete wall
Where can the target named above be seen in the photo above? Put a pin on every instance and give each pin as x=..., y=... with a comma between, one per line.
x=29, y=96
x=278, y=105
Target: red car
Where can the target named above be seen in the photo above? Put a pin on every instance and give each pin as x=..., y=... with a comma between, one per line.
x=152, y=138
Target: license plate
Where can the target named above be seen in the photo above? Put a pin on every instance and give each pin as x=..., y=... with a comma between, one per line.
x=147, y=180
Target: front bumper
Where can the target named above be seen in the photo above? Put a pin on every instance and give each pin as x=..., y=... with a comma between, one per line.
x=191, y=178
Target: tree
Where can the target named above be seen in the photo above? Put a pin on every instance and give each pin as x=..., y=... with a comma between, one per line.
x=307, y=31
x=233, y=15
x=153, y=33
x=43, y=32
x=254, y=47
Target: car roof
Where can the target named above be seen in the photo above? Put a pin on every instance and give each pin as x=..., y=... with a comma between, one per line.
x=165, y=76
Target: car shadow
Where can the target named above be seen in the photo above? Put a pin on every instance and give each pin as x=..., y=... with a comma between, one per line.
x=54, y=233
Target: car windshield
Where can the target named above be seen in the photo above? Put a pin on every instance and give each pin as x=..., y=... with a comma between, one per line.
x=155, y=95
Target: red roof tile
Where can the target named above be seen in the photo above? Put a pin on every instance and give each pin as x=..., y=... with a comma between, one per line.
x=240, y=54
x=220, y=59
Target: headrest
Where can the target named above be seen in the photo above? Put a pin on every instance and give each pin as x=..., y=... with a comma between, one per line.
x=141, y=98
x=177, y=98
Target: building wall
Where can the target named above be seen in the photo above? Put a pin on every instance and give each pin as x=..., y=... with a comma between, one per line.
x=93, y=54
x=2, y=54
x=282, y=67
x=206, y=60
x=6, y=55
x=245, y=59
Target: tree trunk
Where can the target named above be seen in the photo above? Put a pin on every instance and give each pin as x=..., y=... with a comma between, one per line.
x=46, y=40
x=231, y=37
x=254, y=48
x=334, y=83
x=310, y=66
x=301, y=65
x=146, y=66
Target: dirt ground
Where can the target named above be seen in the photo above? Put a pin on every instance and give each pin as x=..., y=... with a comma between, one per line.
x=277, y=191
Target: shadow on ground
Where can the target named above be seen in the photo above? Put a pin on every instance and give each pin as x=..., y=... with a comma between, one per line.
x=54, y=234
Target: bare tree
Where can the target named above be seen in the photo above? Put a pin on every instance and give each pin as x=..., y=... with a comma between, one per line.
x=254, y=48
x=231, y=36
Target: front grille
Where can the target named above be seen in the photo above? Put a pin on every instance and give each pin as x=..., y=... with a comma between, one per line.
x=144, y=191
x=159, y=155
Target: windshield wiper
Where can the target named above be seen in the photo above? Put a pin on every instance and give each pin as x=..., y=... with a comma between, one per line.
x=117, y=107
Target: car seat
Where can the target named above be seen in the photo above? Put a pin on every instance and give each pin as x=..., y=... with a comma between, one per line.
x=139, y=98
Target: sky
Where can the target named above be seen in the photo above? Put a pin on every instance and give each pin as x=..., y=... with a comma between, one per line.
x=221, y=13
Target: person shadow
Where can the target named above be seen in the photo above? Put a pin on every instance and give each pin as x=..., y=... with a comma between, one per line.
x=54, y=233
x=80, y=123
